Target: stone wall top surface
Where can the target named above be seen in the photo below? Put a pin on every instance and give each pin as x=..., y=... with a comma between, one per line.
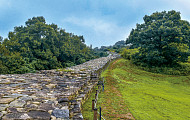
x=45, y=94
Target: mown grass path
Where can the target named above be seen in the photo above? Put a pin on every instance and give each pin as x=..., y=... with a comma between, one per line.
x=130, y=91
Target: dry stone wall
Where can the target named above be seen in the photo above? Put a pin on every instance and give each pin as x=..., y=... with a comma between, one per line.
x=49, y=94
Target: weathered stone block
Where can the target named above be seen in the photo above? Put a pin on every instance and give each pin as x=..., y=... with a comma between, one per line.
x=6, y=100
x=3, y=107
x=60, y=100
x=46, y=106
x=61, y=113
x=39, y=115
x=25, y=98
x=31, y=107
x=12, y=110
x=17, y=103
x=16, y=116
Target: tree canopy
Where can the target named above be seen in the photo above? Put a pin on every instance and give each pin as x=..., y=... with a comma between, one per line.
x=163, y=39
x=38, y=46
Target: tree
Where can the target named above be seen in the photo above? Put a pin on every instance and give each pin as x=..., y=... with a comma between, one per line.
x=1, y=39
x=163, y=39
x=38, y=46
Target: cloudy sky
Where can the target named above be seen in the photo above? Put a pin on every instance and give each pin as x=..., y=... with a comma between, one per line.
x=101, y=22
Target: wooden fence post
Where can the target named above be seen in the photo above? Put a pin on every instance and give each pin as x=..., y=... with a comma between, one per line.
x=103, y=87
x=95, y=114
x=93, y=104
x=100, y=113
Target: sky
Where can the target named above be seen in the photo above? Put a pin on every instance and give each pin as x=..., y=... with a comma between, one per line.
x=101, y=22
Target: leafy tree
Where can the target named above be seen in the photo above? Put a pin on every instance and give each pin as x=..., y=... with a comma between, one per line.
x=38, y=46
x=163, y=39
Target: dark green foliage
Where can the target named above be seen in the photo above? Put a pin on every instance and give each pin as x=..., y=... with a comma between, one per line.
x=100, y=52
x=38, y=46
x=163, y=39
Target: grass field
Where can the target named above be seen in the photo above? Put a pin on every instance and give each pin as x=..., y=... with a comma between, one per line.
x=131, y=92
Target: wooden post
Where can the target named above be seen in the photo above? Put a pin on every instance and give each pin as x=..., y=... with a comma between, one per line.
x=93, y=104
x=103, y=87
x=100, y=113
x=95, y=114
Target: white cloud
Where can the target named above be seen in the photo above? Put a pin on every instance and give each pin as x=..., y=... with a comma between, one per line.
x=97, y=25
x=104, y=32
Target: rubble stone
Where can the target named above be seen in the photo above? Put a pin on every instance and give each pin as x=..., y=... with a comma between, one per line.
x=6, y=100
x=17, y=103
x=61, y=113
x=49, y=94
x=16, y=116
x=39, y=115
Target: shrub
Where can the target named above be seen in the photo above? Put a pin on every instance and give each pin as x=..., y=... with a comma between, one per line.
x=128, y=53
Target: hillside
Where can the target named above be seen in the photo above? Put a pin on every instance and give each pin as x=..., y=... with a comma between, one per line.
x=130, y=91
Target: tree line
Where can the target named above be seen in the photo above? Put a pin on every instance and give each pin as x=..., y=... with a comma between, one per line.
x=41, y=46
x=117, y=47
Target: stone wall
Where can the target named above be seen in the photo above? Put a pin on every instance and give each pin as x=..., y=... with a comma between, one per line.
x=49, y=94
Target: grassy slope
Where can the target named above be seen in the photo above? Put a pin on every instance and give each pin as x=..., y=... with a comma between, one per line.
x=147, y=95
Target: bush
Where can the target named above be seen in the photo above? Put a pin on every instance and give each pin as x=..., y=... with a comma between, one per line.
x=128, y=53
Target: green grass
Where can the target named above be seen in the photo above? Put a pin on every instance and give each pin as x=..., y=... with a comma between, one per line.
x=87, y=107
x=103, y=99
x=111, y=102
x=148, y=96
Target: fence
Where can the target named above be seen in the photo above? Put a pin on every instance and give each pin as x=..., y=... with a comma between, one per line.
x=100, y=85
x=94, y=102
